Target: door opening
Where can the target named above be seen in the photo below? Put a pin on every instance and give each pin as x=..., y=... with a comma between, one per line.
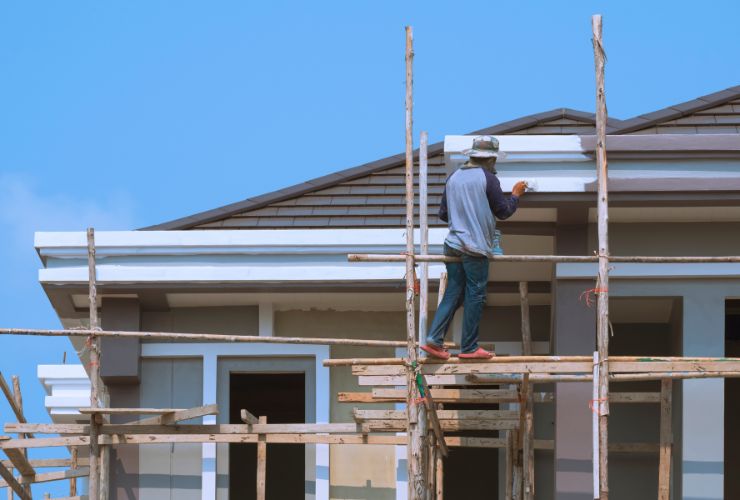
x=732, y=402
x=281, y=398
x=471, y=473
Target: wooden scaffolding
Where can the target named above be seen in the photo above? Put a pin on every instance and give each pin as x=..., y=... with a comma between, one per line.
x=425, y=386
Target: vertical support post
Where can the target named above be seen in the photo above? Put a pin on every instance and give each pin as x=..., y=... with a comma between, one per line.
x=18, y=397
x=439, y=472
x=509, y=487
x=261, y=462
x=602, y=286
x=73, y=466
x=666, y=439
x=527, y=399
x=415, y=413
x=424, y=234
x=94, y=479
x=595, y=424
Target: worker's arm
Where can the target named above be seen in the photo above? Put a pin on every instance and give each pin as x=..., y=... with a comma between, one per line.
x=502, y=206
x=443, y=207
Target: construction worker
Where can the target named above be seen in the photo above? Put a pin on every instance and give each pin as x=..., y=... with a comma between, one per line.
x=471, y=202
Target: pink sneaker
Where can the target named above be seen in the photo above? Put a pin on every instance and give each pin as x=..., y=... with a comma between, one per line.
x=480, y=353
x=436, y=351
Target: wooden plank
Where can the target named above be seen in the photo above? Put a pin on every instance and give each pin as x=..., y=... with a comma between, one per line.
x=666, y=440
x=379, y=381
x=45, y=442
x=41, y=463
x=509, y=467
x=129, y=411
x=363, y=415
x=11, y=399
x=480, y=368
x=248, y=418
x=19, y=461
x=347, y=438
x=634, y=397
x=13, y=483
x=261, y=461
x=454, y=395
x=50, y=476
x=431, y=409
x=180, y=415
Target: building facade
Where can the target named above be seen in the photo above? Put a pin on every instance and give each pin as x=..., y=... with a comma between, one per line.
x=276, y=265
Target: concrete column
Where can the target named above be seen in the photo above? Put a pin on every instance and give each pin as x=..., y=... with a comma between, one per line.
x=574, y=333
x=120, y=369
x=702, y=438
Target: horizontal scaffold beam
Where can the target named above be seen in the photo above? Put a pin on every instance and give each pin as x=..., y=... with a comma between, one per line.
x=209, y=337
x=381, y=395
x=358, y=257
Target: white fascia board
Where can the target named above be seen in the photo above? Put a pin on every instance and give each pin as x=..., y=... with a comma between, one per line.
x=650, y=270
x=226, y=256
x=525, y=148
x=73, y=244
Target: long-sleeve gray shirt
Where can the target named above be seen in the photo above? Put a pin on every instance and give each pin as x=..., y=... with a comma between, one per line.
x=471, y=199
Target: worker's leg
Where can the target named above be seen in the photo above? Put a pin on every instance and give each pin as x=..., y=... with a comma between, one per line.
x=476, y=281
x=451, y=300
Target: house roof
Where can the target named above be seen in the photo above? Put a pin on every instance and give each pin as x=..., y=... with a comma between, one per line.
x=372, y=195
x=710, y=114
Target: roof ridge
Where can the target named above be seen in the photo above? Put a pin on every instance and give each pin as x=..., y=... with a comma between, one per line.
x=678, y=110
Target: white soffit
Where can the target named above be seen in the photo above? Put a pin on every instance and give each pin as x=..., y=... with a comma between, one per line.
x=82, y=301
x=331, y=301
x=669, y=214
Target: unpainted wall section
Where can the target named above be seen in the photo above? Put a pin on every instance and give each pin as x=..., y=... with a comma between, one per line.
x=171, y=471
x=671, y=238
x=231, y=320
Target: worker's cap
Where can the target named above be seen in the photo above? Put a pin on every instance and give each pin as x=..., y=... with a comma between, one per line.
x=484, y=146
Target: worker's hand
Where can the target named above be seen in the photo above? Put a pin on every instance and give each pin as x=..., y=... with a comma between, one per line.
x=519, y=189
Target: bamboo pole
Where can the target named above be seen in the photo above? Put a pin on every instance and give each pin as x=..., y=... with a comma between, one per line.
x=201, y=337
x=18, y=398
x=527, y=400
x=94, y=480
x=424, y=234
x=439, y=471
x=417, y=484
x=10, y=490
x=261, y=462
x=602, y=297
x=509, y=468
x=362, y=257
x=73, y=466
x=666, y=440
x=595, y=425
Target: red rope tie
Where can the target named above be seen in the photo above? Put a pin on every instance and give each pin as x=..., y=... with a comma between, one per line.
x=586, y=295
x=418, y=401
x=593, y=402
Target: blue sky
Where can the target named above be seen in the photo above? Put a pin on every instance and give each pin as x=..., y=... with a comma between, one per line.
x=126, y=114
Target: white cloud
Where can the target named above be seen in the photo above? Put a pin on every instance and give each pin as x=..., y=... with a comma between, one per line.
x=24, y=209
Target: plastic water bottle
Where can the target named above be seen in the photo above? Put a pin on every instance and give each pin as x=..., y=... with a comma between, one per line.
x=497, y=250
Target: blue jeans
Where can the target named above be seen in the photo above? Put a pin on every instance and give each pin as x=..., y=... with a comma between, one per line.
x=466, y=286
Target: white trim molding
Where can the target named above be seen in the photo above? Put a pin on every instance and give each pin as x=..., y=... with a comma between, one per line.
x=317, y=454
